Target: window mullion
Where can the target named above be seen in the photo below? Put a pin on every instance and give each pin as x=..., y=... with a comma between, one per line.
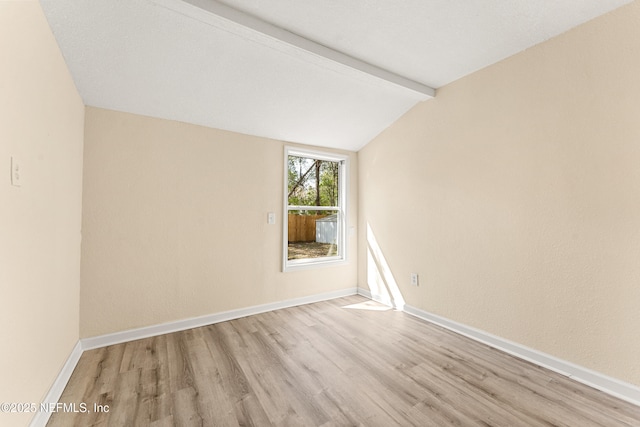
x=317, y=239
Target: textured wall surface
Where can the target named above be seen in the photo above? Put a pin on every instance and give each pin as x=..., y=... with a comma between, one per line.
x=41, y=123
x=175, y=224
x=515, y=194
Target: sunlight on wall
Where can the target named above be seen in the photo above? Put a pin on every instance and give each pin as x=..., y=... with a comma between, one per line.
x=381, y=282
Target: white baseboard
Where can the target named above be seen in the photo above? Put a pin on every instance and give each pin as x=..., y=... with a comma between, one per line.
x=386, y=300
x=612, y=386
x=620, y=389
x=195, y=322
x=41, y=418
x=367, y=294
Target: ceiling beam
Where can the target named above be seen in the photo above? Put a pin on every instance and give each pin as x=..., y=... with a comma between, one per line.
x=283, y=36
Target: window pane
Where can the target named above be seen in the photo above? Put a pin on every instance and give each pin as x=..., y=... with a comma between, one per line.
x=315, y=206
x=312, y=236
x=312, y=182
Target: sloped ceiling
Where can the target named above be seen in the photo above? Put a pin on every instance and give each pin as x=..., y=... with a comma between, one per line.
x=182, y=60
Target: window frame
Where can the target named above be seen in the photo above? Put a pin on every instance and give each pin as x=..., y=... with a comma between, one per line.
x=341, y=209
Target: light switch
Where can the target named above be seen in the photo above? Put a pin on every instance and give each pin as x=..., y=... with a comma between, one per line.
x=271, y=218
x=16, y=172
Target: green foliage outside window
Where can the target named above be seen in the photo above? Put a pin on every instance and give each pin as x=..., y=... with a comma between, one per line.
x=312, y=182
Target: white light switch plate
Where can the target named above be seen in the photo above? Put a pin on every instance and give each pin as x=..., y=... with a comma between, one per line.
x=271, y=218
x=16, y=172
x=414, y=279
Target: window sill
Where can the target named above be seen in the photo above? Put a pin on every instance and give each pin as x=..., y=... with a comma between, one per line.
x=307, y=264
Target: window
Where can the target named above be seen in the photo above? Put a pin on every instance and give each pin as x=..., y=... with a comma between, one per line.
x=315, y=186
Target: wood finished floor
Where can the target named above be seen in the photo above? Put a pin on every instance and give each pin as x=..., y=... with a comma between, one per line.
x=335, y=363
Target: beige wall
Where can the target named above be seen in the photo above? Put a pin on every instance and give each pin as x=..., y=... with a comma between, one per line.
x=175, y=224
x=515, y=194
x=41, y=122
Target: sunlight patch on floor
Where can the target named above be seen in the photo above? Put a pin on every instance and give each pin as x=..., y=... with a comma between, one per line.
x=368, y=305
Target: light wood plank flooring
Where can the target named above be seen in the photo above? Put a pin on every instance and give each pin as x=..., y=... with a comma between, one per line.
x=335, y=363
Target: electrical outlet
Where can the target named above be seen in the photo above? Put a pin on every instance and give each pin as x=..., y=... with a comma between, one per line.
x=414, y=279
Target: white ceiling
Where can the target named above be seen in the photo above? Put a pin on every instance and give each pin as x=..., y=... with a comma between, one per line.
x=183, y=60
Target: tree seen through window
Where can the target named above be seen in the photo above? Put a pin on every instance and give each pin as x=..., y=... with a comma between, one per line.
x=313, y=207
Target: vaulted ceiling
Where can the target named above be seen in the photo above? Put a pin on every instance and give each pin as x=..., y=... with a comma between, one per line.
x=331, y=73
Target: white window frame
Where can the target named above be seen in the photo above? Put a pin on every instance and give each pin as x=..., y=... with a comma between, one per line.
x=341, y=209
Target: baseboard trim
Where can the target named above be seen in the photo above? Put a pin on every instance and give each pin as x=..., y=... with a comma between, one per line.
x=377, y=298
x=195, y=322
x=617, y=388
x=53, y=396
x=41, y=418
x=612, y=386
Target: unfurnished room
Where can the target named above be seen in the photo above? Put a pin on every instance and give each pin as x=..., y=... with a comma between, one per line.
x=320, y=213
